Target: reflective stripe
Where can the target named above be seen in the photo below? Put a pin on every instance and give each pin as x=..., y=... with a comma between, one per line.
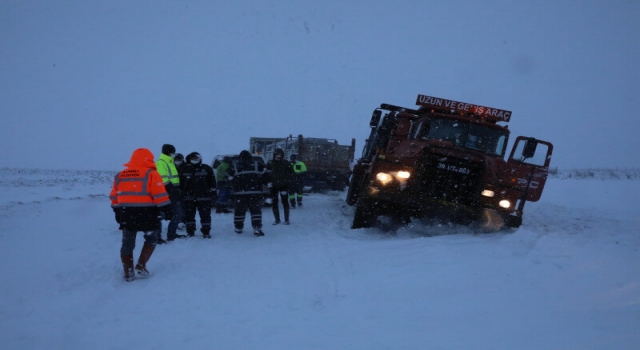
x=163, y=203
x=131, y=195
x=139, y=194
x=248, y=192
x=167, y=178
x=144, y=180
x=136, y=204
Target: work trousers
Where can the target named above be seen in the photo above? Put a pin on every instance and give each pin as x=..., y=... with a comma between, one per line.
x=283, y=194
x=203, y=208
x=178, y=214
x=129, y=240
x=250, y=202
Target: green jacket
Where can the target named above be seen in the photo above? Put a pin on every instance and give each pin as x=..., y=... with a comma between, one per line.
x=299, y=167
x=221, y=171
x=167, y=169
x=222, y=174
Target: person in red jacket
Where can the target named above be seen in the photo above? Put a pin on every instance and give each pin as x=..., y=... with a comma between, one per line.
x=138, y=198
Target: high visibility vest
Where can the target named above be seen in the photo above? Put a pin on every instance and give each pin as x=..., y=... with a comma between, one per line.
x=138, y=187
x=299, y=167
x=167, y=169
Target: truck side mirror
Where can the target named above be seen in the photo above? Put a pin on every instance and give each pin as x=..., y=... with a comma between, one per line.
x=530, y=148
x=375, y=118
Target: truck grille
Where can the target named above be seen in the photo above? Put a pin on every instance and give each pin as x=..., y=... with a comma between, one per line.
x=451, y=179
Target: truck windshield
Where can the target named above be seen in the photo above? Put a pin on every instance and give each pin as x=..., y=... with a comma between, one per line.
x=462, y=134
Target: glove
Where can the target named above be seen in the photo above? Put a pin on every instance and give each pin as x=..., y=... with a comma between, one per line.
x=270, y=184
x=118, y=213
x=167, y=212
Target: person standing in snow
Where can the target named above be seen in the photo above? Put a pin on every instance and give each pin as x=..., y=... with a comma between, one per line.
x=167, y=169
x=248, y=179
x=223, y=184
x=178, y=160
x=198, y=185
x=295, y=193
x=138, y=198
x=280, y=174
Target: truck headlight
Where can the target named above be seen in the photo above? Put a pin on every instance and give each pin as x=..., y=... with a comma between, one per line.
x=384, y=178
x=488, y=193
x=403, y=174
x=505, y=204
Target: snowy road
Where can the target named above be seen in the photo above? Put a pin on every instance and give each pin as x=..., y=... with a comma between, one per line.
x=569, y=278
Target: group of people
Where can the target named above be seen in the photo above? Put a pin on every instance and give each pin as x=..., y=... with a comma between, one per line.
x=175, y=188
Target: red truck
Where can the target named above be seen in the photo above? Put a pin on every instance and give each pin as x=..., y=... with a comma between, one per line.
x=446, y=160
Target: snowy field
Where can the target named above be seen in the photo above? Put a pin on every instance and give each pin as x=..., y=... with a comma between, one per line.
x=569, y=278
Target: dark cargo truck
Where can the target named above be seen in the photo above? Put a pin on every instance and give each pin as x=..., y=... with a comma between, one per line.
x=328, y=163
x=446, y=160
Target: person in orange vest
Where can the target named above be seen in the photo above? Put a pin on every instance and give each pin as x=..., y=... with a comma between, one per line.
x=138, y=199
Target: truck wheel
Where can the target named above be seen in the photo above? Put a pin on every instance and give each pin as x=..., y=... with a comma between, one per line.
x=354, y=188
x=491, y=221
x=513, y=222
x=365, y=216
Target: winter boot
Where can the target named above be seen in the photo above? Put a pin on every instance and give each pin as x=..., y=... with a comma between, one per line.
x=145, y=254
x=127, y=264
x=172, y=238
x=258, y=232
x=218, y=209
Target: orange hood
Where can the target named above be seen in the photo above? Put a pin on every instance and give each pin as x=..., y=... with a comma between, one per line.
x=141, y=158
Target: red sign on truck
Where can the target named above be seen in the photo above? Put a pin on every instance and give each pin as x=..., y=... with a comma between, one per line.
x=498, y=115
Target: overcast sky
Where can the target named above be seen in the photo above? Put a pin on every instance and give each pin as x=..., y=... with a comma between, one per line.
x=83, y=83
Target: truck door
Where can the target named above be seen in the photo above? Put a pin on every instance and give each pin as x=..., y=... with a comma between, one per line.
x=529, y=165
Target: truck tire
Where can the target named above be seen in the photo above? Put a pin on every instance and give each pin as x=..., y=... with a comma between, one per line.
x=513, y=222
x=354, y=188
x=491, y=221
x=364, y=216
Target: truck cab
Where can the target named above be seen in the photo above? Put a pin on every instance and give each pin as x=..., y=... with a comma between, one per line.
x=447, y=160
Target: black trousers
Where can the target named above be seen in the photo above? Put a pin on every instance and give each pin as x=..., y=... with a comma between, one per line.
x=129, y=240
x=250, y=202
x=295, y=192
x=204, y=210
x=283, y=194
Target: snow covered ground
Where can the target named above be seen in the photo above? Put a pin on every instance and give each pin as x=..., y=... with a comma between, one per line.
x=569, y=278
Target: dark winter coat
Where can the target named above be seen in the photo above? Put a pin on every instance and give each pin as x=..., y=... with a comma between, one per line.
x=248, y=178
x=197, y=181
x=280, y=173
